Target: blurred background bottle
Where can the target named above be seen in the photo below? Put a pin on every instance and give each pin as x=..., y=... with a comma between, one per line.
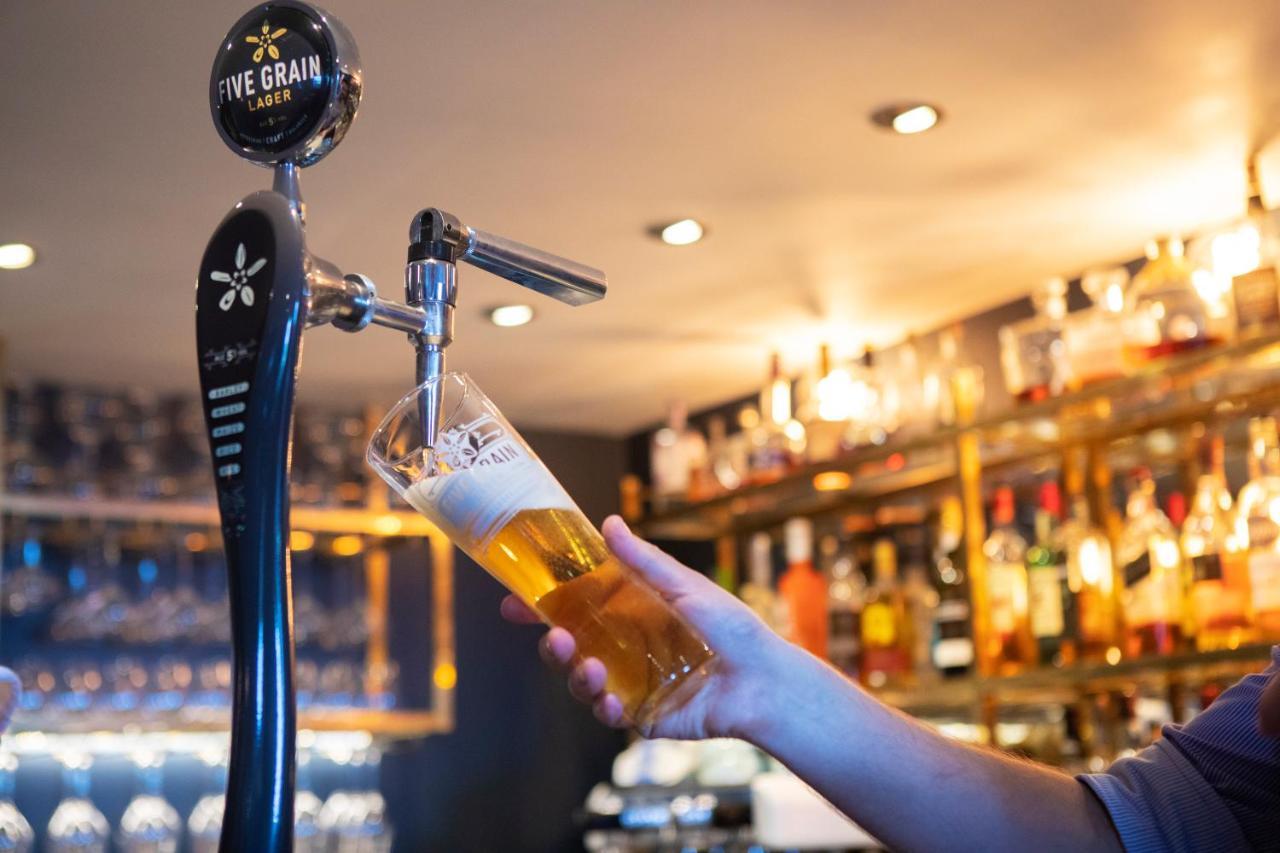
x=885, y=654
x=1169, y=309
x=1259, y=515
x=1032, y=353
x=846, y=589
x=1010, y=646
x=1151, y=564
x=803, y=590
x=952, y=620
x=1050, y=601
x=1094, y=337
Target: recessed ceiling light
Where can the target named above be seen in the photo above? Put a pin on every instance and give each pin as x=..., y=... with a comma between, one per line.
x=16, y=256
x=907, y=118
x=510, y=315
x=681, y=233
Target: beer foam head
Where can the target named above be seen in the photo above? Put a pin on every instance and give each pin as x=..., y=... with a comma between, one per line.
x=477, y=502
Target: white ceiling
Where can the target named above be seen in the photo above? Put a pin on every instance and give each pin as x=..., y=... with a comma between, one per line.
x=1074, y=131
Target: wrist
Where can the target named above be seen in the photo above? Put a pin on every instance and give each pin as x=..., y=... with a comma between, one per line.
x=766, y=682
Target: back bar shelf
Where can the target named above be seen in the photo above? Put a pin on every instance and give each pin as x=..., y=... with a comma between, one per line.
x=1207, y=385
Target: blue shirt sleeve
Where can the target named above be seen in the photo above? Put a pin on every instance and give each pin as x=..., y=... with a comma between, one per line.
x=1212, y=784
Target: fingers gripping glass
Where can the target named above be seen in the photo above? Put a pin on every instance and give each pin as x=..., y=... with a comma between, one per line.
x=492, y=496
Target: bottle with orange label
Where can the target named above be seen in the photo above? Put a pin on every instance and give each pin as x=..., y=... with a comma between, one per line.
x=803, y=589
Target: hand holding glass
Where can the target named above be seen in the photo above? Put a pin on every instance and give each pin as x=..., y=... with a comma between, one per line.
x=492, y=496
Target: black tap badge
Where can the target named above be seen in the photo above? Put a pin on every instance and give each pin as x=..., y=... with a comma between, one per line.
x=273, y=79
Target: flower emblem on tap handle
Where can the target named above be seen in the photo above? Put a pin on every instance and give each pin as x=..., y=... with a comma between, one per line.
x=264, y=42
x=238, y=279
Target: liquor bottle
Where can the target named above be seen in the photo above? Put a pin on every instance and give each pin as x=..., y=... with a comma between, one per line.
x=1032, y=354
x=675, y=452
x=1165, y=313
x=1151, y=564
x=803, y=589
x=771, y=452
x=1090, y=577
x=1259, y=507
x=1051, y=604
x=827, y=409
x=845, y=591
x=1246, y=254
x=952, y=386
x=902, y=387
x=1094, y=337
x=728, y=469
x=884, y=654
x=1220, y=571
x=726, y=568
x=1010, y=646
x=775, y=399
x=952, y=620
x=1175, y=508
x=866, y=423
x=758, y=592
x=920, y=600
x=703, y=483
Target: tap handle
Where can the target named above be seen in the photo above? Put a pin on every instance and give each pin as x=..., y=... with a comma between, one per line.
x=548, y=274
x=439, y=235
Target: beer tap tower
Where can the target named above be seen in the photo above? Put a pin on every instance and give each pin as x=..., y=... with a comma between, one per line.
x=285, y=86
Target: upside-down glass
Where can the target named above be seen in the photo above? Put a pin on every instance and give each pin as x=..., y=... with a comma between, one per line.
x=492, y=496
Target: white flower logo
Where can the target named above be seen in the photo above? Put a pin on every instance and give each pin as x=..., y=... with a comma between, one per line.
x=238, y=279
x=456, y=450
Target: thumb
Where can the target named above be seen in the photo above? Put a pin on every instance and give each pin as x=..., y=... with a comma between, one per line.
x=660, y=570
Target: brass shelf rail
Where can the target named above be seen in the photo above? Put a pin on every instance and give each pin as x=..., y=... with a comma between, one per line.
x=1062, y=685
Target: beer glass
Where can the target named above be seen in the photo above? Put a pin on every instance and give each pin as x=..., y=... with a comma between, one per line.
x=491, y=495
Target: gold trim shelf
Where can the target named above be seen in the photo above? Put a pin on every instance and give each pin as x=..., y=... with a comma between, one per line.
x=1064, y=685
x=1207, y=385
x=313, y=518
x=384, y=724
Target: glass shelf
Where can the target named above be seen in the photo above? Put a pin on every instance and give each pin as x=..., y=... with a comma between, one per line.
x=313, y=518
x=192, y=741
x=390, y=724
x=434, y=610
x=1064, y=685
x=1214, y=384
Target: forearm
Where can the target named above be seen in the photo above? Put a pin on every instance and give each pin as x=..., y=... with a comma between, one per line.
x=906, y=784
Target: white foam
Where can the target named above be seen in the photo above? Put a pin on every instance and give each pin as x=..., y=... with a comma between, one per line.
x=475, y=503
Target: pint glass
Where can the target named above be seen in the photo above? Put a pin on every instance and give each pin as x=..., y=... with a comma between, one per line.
x=492, y=496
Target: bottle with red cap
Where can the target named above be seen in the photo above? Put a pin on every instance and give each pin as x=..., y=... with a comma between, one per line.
x=1051, y=610
x=1009, y=646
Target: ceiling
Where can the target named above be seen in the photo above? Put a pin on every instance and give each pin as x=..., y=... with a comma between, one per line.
x=1073, y=132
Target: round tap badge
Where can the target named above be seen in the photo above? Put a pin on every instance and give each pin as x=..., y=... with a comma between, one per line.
x=285, y=84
